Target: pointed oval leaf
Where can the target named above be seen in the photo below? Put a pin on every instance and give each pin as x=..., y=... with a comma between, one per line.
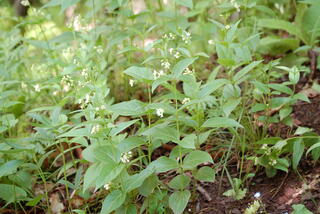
x=221, y=122
x=178, y=201
x=114, y=200
x=194, y=158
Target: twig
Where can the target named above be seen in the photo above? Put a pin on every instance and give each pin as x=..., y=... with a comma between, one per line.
x=278, y=189
x=204, y=193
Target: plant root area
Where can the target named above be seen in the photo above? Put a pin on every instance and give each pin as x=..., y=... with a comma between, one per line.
x=279, y=193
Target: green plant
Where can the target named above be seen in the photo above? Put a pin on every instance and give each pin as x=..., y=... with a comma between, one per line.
x=130, y=109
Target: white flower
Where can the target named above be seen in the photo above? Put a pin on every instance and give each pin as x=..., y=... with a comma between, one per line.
x=237, y=6
x=264, y=146
x=227, y=27
x=211, y=42
x=107, y=186
x=171, y=50
x=172, y=36
x=23, y=85
x=37, y=87
x=185, y=100
x=257, y=195
x=66, y=87
x=273, y=162
x=177, y=55
x=125, y=157
x=99, y=49
x=25, y=3
x=131, y=82
x=55, y=93
x=187, y=71
x=87, y=98
x=84, y=73
x=160, y=112
x=157, y=74
x=186, y=37
x=95, y=129
x=165, y=64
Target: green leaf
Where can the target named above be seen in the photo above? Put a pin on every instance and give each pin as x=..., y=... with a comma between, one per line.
x=135, y=181
x=10, y=167
x=221, y=122
x=22, y=179
x=302, y=130
x=35, y=201
x=129, y=108
x=230, y=105
x=211, y=86
x=300, y=209
x=180, y=182
x=276, y=45
x=139, y=73
x=186, y=3
x=108, y=154
x=91, y=175
x=82, y=132
x=194, y=158
x=181, y=65
x=164, y=164
x=241, y=75
x=314, y=146
x=159, y=81
x=205, y=173
x=164, y=133
x=149, y=185
x=298, y=148
x=108, y=173
x=284, y=112
x=178, y=201
x=282, y=88
x=311, y=23
x=282, y=164
x=130, y=143
x=121, y=126
x=114, y=200
x=11, y=193
x=281, y=24
x=188, y=141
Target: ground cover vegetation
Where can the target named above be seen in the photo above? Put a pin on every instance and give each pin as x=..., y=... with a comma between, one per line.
x=159, y=106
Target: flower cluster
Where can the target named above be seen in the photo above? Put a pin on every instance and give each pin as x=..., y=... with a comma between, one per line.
x=186, y=37
x=165, y=64
x=107, y=186
x=185, y=100
x=37, y=87
x=66, y=83
x=210, y=42
x=98, y=49
x=25, y=3
x=157, y=74
x=174, y=53
x=159, y=112
x=125, y=157
x=188, y=71
x=235, y=5
x=131, y=82
x=95, y=129
x=169, y=36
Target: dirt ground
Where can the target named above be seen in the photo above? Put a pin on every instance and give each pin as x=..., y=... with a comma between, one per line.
x=279, y=193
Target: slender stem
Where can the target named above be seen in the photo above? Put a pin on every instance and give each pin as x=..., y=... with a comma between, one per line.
x=149, y=124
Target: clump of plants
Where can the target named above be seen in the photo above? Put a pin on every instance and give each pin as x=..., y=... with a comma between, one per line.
x=130, y=106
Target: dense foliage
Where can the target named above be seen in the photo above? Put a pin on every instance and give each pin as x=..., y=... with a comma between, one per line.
x=129, y=105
